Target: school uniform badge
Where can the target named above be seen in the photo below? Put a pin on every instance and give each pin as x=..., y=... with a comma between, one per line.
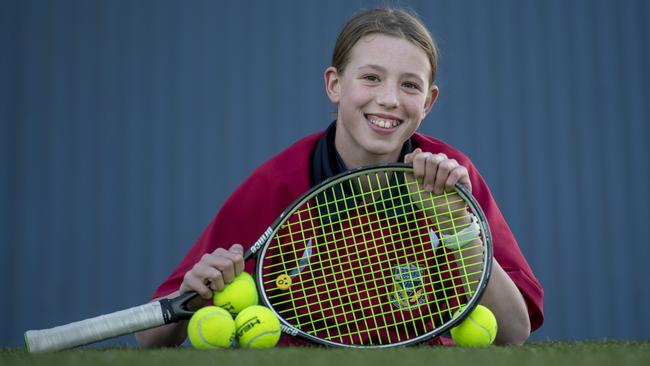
x=407, y=292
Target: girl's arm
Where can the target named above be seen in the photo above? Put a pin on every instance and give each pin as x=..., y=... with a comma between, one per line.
x=169, y=335
x=501, y=295
x=508, y=305
x=211, y=273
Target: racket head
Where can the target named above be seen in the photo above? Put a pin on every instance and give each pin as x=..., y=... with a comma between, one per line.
x=362, y=260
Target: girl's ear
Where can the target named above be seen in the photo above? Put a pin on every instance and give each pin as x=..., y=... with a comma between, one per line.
x=332, y=84
x=431, y=99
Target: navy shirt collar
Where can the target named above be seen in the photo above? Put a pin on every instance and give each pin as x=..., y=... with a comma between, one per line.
x=326, y=161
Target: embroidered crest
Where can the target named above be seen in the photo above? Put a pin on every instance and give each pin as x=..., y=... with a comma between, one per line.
x=407, y=287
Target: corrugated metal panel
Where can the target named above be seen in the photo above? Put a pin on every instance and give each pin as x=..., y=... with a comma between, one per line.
x=126, y=124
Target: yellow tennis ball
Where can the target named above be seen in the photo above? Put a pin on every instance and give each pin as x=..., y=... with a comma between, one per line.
x=237, y=295
x=211, y=327
x=257, y=327
x=477, y=330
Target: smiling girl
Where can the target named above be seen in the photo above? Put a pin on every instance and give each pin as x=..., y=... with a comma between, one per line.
x=382, y=81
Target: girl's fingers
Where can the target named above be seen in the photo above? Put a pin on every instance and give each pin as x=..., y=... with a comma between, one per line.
x=436, y=172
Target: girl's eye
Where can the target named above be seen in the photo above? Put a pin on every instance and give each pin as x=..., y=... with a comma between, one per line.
x=410, y=85
x=371, y=77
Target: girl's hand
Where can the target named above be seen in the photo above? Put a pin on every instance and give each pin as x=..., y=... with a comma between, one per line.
x=436, y=172
x=213, y=271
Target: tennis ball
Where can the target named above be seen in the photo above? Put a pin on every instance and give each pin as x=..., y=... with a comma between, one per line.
x=237, y=295
x=477, y=330
x=257, y=327
x=211, y=327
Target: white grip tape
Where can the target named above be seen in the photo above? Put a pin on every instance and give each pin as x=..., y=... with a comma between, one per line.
x=95, y=329
x=468, y=234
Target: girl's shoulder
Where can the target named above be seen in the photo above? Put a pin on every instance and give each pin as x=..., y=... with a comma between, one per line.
x=291, y=163
x=283, y=177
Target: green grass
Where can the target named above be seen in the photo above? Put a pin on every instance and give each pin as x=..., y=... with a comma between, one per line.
x=543, y=353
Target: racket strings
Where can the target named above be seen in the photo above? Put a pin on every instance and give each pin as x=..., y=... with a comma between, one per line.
x=410, y=238
x=290, y=235
x=315, y=280
x=296, y=262
x=366, y=324
x=352, y=306
x=331, y=251
x=326, y=205
x=357, y=305
x=287, y=232
x=460, y=290
x=347, y=302
x=373, y=232
x=341, y=262
x=295, y=238
x=339, y=310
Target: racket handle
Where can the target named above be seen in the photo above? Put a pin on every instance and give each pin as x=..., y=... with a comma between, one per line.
x=95, y=329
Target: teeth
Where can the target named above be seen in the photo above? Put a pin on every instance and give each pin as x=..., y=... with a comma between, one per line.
x=384, y=123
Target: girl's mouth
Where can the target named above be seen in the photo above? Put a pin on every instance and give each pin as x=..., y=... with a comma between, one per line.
x=385, y=122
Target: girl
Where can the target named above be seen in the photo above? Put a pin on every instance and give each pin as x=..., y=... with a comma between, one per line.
x=382, y=80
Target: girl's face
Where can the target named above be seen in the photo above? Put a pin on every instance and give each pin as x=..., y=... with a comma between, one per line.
x=382, y=97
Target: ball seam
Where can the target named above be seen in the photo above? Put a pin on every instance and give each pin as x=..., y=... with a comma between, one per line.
x=252, y=340
x=203, y=318
x=486, y=330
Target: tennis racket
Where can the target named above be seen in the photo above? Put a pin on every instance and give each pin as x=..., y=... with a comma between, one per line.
x=365, y=259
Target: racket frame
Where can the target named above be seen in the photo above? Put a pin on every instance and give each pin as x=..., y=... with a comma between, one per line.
x=265, y=240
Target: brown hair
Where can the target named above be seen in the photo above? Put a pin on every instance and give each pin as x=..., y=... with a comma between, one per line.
x=388, y=21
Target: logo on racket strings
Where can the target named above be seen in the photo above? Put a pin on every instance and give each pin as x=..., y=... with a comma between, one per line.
x=407, y=287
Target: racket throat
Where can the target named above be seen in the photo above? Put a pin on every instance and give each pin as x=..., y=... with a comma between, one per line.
x=181, y=307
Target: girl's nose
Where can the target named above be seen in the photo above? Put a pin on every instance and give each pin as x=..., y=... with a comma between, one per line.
x=387, y=97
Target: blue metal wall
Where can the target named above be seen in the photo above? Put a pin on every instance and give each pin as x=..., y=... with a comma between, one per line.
x=125, y=124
